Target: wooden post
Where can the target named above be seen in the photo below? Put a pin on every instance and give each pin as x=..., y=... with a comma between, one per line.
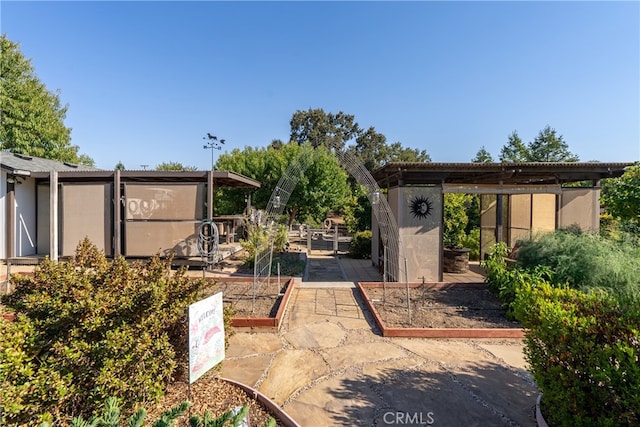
x=210, y=194
x=117, y=217
x=53, y=215
x=10, y=247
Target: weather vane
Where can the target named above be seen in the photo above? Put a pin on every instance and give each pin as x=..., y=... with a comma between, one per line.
x=213, y=143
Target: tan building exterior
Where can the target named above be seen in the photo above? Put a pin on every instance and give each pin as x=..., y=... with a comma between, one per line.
x=48, y=207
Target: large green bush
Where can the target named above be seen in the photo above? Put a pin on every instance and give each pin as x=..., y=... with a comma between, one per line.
x=88, y=329
x=586, y=261
x=583, y=350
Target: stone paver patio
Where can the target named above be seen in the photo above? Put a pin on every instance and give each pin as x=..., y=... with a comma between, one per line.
x=329, y=366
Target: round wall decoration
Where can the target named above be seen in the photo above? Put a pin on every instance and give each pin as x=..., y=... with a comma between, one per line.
x=421, y=207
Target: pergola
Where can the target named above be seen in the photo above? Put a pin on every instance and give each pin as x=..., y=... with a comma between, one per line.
x=495, y=174
x=517, y=200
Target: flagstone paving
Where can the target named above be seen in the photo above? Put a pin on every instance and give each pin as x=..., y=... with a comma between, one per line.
x=329, y=366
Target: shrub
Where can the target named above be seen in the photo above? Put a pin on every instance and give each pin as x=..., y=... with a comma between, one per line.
x=586, y=261
x=505, y=281
x=258, y=239
x=360, y=245
x=472, y=241
x=583, y=352
x=88, y=329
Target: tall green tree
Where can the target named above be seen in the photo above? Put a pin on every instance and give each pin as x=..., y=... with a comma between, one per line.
x=174, y=166
x=482, y=156
x=621, y=196
x=321, y=189
x=32, y=116
x=548, y=146
x=320, y=128
x=515, y=150
x=371, y=148
x=119, y=166
x=397, y=153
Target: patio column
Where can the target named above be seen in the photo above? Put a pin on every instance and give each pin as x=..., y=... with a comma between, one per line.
x=117, y=217
x=53, y=215
x=210, y=194
x=10, y=247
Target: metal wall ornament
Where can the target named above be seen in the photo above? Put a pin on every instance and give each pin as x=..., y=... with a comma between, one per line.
x=421, y=207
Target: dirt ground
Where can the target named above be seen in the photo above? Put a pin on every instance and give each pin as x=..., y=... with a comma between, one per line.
x=453, y=307
x=210, y=394
x=240, y=297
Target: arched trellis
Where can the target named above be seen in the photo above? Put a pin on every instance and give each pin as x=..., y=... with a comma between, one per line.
x=287, y=183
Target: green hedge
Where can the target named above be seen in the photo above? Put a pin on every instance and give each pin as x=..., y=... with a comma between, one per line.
x=360, y=245
x=583, y=350
x=89, y=329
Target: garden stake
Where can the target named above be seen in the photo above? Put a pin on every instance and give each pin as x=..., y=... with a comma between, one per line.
x=384, y=276
x=406, y=281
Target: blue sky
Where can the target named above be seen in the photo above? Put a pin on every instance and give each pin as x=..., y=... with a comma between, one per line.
x=145, y=81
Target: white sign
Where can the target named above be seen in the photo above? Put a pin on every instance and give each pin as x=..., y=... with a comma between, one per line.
x=206, y=335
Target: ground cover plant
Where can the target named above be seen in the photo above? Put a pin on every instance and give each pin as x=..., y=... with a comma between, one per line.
x=360, y=245
x=88, y=329
x=111, y=417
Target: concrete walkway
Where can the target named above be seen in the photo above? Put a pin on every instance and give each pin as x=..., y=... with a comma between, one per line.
x=329, y=366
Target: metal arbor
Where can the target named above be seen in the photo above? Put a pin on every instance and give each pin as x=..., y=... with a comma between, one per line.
x=287, y=183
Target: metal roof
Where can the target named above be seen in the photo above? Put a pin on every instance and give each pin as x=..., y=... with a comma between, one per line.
x=13, y=162
x=220, y=178
x=419, y=173
x=40, y=168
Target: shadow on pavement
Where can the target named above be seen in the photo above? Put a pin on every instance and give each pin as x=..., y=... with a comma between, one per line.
x=482, y=394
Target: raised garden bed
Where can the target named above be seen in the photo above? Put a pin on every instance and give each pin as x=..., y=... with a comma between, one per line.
x=438, y=310
x=262, y=313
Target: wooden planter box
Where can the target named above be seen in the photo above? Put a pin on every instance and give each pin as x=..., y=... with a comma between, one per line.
x=262, y=324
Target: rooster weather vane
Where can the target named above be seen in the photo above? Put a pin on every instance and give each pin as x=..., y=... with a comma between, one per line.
x=421, y=207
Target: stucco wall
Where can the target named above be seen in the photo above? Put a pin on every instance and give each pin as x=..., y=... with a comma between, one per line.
x=543, y=217
x=418, y=211
x=87, y=211
x=43, y=222
x=580, y=206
